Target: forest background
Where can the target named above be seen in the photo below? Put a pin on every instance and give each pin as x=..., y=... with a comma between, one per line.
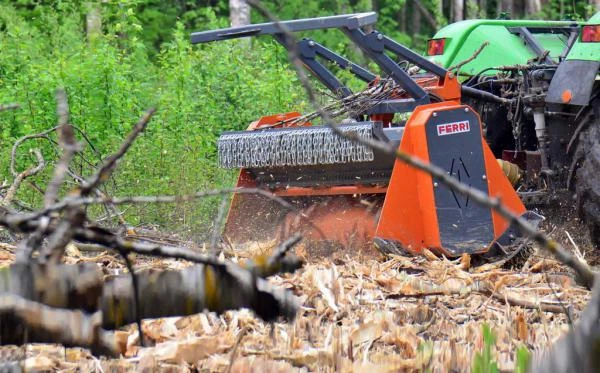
x=116, y=59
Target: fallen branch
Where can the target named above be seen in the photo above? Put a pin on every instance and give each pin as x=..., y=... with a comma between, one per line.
x=12, y=190
x=24, y=321
x=178, y=292
x=418, y=288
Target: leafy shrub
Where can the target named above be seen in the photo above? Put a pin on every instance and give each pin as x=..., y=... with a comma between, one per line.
x=110, y=80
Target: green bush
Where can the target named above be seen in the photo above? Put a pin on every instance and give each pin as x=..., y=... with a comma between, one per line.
x=110, y=80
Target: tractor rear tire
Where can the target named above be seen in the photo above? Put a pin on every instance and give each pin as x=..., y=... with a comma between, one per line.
x=587, y=181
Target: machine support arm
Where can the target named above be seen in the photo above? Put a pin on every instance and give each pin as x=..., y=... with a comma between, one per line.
x=349, y=21
x=360, y=72
x=308, y=51
x=373, y=45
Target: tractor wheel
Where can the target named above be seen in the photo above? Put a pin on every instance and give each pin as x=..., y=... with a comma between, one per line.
x=587, y=182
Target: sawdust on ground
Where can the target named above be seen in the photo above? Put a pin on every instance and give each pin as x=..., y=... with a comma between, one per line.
x=358, y=314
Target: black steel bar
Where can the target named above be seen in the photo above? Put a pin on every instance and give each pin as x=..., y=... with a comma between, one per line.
x=372, y=44
x=483, y=95
x=549, y=29
x=360, y=72
x=574, y=33
x=533, y=44
x=349, y=21
x=307, y=55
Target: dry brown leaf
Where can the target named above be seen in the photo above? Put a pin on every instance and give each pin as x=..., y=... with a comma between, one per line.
x=39, y=364
x=309, y=358
x=189, y=351
x=405, y=339
x=147, y=363
x=261, y=364
x=521, y=327
x=543, y=265
x=366, y=333
x=429, y=255
x=359, y=367
x=75, y=354
x=121, y=338
x=465, y=262
x=327, y=294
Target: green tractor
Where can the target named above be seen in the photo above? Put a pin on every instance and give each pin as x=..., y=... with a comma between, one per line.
x=550, y=129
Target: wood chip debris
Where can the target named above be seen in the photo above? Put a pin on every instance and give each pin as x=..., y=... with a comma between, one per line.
x=358, y=314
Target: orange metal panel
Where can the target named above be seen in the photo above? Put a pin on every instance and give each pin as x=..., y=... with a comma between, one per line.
x=275, y=120
x=408, y=214
x=329, y=191
x=499, y=186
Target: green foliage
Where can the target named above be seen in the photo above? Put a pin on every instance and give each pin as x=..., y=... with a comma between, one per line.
x=484, y=361
x=110, y=80
x=522, y=360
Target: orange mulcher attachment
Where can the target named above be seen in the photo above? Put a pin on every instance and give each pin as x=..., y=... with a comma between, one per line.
x=350, y=194
x=420, y=212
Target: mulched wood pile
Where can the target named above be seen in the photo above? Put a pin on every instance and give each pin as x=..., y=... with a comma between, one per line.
x=360, y=313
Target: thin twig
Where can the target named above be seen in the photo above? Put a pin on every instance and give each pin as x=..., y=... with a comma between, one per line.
x=109, y=164
x=15, y=220
x=136, y=297
x=238, y=342
x=68, y=144
x=216, y=232
x=474, y=56
x=10, y=193
x=9, y=107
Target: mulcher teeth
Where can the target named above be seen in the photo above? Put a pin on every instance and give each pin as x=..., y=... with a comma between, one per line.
x=298, y=146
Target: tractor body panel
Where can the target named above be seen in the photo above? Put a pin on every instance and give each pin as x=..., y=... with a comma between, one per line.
x=586, y=51
x=463, y=39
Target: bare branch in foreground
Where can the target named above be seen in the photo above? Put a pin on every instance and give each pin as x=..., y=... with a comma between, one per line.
x=577, y=351
x=46, y=324
x=178, y=292
x=212, y=285
x=23, y=222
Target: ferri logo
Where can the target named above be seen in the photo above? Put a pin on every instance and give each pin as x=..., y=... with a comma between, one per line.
x=453, y=128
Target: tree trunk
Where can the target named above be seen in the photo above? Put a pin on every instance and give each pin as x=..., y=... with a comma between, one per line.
x=403, y=18
x=472, y=9
x=483, y=8
x=93, y=20
x=458, y=10
x=239, y=13
x=416, y=22
x=420, y=8
x=596, y=5
x=532, y=7
x=506, y=6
